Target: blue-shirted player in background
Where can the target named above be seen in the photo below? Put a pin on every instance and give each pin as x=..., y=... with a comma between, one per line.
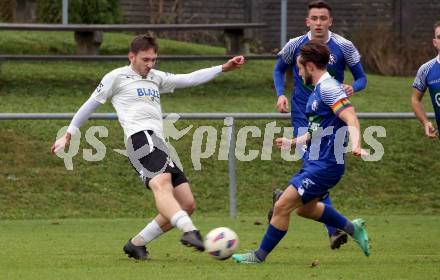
x=342, y=53
x=330, y=115
x=428, y=77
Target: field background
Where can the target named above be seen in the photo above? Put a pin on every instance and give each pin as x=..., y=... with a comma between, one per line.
x=57, y=223
x=404, y=247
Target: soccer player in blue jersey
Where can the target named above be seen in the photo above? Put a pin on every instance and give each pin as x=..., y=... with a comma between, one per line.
x=342, y=53
x=330, y=115
x=428, y=77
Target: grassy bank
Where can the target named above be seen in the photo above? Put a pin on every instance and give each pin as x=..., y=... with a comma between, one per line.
x=35, y=184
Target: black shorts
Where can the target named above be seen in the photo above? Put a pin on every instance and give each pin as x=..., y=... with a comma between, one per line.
x=156, y=161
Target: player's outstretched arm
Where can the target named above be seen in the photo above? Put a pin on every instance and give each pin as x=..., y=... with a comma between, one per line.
x=286, y=143
x=203, y=75
x=80, y=117
x=348, y=115
x=61, y=143
x=233, y=63
x=419, y=111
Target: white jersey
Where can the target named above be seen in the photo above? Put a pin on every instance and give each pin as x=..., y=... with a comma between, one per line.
x=136, y=99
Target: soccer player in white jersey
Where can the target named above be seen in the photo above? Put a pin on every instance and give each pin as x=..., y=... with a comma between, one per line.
x=428, y=77
x=134, y=91
x=342, y=54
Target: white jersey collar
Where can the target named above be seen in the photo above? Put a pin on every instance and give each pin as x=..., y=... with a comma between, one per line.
x=325, y=76
x=133, y=71
x=309, y=35
x=438, y=59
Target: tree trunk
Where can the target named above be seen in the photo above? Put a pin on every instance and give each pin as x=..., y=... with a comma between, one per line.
x=88, y=42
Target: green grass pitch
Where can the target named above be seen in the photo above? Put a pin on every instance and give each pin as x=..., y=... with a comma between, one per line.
x=403, y=247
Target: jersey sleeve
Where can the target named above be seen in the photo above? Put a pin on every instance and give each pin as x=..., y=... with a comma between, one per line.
x=351, y=54
x=167, y=84
x=420, y=79
x=288, y=51
x=83, y=115
x=171, y=82
x=104, y=90
x=334, y=96
x=279, y=72
x=360, y=79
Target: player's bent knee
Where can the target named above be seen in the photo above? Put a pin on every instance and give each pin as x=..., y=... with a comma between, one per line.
x=282, y=208
x=189, y=206
x=302, y=212
x=306, y=213
x=312, y=210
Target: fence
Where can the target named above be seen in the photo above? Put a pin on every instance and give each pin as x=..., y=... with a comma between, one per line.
x=230, y=124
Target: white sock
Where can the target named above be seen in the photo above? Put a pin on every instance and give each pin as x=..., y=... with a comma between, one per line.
x=148, y=234
x=182, y=221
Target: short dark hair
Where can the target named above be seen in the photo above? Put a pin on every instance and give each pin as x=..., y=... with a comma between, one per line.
x=316, y=52
x=437, y=24
x=143, y=43
x=319, y=4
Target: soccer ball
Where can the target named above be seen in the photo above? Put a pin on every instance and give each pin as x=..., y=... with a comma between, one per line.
x=221, y=242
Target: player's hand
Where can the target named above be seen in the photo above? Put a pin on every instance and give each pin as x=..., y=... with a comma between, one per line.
x=233, y=63
x=61, y=143
x=348, y=90
x=284, y=143
x=358, y=152
x=430, y=131
x=282, y=104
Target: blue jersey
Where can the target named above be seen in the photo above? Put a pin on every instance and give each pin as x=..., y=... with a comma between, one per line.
x=325, y=151
x=342, y=53
x=428, y=77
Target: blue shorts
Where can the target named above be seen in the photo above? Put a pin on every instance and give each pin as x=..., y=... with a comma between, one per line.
x=312, y=184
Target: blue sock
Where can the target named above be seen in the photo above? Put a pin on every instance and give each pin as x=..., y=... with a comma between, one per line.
x=270, y=240
x=333, y=218
x=327, y=201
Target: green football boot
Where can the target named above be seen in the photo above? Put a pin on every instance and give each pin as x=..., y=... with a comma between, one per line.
x=360, y=235
x=247, y=258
